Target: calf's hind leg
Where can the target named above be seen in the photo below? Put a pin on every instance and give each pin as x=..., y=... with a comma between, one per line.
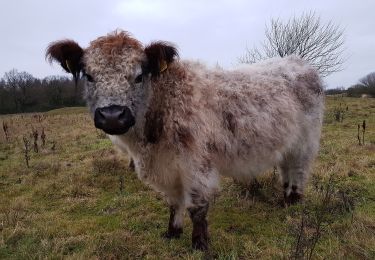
x=295, y=171
x=296, y=165
x=198, y=213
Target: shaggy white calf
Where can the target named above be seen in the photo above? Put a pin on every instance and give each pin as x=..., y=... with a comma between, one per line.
x=184, y=124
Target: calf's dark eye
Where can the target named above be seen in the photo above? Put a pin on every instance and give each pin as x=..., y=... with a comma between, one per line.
x=138, y=79
x=88, y=77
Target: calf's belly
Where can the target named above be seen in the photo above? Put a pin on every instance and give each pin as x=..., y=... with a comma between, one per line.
x=248, y=168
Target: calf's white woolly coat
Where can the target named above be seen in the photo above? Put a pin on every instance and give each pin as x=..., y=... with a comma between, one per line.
x=193, y=123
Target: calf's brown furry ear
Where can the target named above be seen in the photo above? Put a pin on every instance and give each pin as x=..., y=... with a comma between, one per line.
x=159, y=55
x=69, y=54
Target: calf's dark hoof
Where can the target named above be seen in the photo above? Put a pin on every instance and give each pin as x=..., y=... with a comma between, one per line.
x=200, y=244
x=173, y=233
x=293, y=198
x=131, y=165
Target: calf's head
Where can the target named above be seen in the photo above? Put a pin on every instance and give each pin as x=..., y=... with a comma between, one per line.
x=117, y=71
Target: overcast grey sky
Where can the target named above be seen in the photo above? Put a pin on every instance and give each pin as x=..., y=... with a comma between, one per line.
x=213, y=31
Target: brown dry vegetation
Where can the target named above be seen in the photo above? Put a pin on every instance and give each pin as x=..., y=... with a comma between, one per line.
x=79, y=200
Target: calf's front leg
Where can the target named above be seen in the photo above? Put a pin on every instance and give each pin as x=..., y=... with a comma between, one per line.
x=198, y=214
x=175, y=223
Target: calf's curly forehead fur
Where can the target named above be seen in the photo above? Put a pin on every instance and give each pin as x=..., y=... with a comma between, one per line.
x=194, y=123
x=115, y=54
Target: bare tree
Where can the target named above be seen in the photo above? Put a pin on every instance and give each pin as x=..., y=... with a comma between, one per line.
x=366, y=85
x=19, y=82
x=368, y=80
x=321, y=44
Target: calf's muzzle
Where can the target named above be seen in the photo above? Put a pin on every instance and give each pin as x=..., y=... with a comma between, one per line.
x=114, y=119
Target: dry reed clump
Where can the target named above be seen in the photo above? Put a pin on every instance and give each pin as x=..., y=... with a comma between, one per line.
x=26, y=150
x=331, y=199
x=6, y=131
x=361, y=138
x=35, y=136
x=43, y=137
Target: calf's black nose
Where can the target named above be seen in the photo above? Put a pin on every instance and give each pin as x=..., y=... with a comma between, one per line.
x=114, y=120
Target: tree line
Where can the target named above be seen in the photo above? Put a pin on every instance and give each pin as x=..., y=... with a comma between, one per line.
x=365, y=85
x=21, y=92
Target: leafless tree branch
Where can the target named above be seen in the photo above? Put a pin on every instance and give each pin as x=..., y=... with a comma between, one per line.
x=322, y=45
x=368, y=80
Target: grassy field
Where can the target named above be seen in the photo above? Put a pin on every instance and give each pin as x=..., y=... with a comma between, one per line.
x=78, y=199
